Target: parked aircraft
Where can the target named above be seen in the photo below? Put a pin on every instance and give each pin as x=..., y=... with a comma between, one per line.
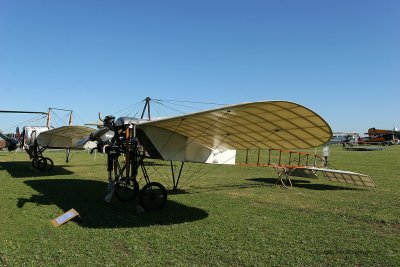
x=210, y=136
x=381, y=137
x=343, y=138
x=36, y=139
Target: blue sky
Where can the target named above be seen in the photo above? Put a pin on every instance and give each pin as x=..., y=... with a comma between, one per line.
x=339, y=58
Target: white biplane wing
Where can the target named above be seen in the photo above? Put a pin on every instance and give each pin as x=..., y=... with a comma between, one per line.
x=199, y=136
x=64, y=137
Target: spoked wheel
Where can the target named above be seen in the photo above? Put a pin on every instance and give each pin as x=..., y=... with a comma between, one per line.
x=153, y=196
x=35, y=163
x=49, y=164
x=39, y=163
x=126, y=189
x=43, y=164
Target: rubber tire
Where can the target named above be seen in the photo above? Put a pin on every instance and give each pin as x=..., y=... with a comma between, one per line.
x=153, y=196
x=49, y=164
x=126, y=192
x=39, y=163
x=35, y=163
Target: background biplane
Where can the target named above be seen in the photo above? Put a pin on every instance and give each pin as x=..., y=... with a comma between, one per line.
x=381, y=137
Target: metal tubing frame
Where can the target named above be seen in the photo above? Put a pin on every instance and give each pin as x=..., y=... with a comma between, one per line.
x=175, y=183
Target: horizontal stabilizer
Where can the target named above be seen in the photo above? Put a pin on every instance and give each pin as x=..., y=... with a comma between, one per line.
x=346, y=177
x=303, y=172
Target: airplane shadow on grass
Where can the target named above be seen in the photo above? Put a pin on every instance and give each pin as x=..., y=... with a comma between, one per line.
x=24, y=169
x=303, y=184
x=86, y=197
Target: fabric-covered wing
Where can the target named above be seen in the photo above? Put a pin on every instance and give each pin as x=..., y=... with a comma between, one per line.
x=346, y=177
x=274, y=124
x=64, y=137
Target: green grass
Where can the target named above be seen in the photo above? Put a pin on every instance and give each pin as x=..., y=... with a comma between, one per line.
x=227, y=215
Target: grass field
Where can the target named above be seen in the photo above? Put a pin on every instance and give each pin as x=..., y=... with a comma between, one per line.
x=230, y=216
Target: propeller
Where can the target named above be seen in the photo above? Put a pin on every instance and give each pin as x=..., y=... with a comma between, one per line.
x=98, y=124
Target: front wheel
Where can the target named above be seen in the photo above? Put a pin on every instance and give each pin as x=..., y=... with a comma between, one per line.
x=43, y=164
x=39, y=163
x=49, y=164
x=153, y=196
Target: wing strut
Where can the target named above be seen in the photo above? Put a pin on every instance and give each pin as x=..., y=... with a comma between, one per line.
x=175, y=182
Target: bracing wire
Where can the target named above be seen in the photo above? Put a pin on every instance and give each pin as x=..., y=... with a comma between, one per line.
x=197, y=171
x=179, y=105
x=159, y=110
x=36, y=118
x=128, y=110
x=76, y=119
x=192, y=102
x=211, y=168
x=195, y=138
x=134, y=110
x=172, y=102
x=171, y=108
x=56, y=119
x=160, y=175
x=194, y=171
x=170, y=136
x=166, y=103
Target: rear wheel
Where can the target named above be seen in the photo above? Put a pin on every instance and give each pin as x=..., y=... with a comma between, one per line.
x=153, y=196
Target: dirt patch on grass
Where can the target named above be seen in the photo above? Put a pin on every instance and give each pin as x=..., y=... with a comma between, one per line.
x=385, y=227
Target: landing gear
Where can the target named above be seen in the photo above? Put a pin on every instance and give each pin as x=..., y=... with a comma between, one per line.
x=153, y=196
x=38, y=161
x=124, y=158
x=43, y=164
x=126, y=189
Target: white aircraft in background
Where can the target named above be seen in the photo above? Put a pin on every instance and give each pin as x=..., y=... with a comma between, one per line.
x=36, y=139
x=344, y=138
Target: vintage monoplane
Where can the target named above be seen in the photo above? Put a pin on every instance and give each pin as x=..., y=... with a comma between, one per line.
x=36, y=139
x=211, y=136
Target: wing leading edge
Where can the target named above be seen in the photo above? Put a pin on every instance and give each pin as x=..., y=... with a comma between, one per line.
x=274, y=124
